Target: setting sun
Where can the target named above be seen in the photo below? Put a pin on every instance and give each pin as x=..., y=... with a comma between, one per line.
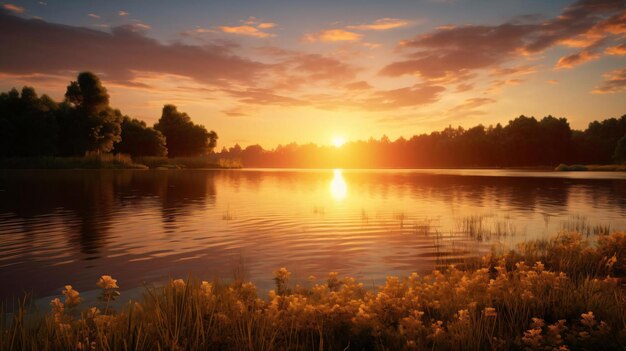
x=338, y=141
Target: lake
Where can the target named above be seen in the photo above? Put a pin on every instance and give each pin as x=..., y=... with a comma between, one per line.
x=72, y=226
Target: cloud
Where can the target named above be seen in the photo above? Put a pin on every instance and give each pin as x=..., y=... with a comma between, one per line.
x=513, y=71
x=48, y=48
x=332, y=35
x=258, y=96
x=419, y=94
x=266, y=25
x=614, y=82
x=552, y=81
x=235, y=112
x=123, y=13
x=198, y=30
x=471, y=104
x=464, y=87
x=251, y=27
x=246, y=30
x=381, y=24
x=454, y=51
x=136, y=27
x=576, y=59
x=616, y=50
x=361, y=85
x=13, y=8
x=93, y=15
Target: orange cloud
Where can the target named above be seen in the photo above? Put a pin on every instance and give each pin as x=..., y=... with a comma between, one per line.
x=614, y=82
x=246, y=30
x=381, y=24
x=93, y=15
x=266, y=25
x=236, y=112
x=513, y=71
x=416, y=95
x=198, y=30
x=331, y=35
x=361, y=85
x=208, y=64
x=472, y=103
x=13, y=8
x=616, y=50
x=123, y=13
x=576, y=59
x=450, y=52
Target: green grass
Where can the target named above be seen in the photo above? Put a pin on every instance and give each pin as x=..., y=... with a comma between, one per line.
x=558, y=294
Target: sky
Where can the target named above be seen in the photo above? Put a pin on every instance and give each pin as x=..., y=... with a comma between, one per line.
x=275, y=72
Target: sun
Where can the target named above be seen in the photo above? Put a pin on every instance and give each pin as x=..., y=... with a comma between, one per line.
x=338, y=141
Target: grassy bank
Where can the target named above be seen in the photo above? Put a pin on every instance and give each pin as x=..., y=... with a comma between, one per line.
x=597, y=168
x=196, y=162
x=562, y=294
x=94, y=161
x=119, y=161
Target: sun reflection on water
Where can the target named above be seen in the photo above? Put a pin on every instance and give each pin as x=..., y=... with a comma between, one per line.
x=338, y=186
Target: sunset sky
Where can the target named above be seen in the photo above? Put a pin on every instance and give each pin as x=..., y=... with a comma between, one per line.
x=273, y=72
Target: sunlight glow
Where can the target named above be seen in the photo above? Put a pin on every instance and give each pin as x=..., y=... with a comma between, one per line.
x=338, y=186
x=338, y=141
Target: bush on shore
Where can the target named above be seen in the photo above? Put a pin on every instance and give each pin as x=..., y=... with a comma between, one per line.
x=561, y=294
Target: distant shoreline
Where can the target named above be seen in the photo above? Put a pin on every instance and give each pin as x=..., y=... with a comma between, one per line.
x=123, y=162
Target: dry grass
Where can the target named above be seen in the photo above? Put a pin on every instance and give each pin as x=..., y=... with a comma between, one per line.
x=561, y=294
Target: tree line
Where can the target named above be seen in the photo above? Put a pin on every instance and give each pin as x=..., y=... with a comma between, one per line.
x=523, y=142
x=84, y=122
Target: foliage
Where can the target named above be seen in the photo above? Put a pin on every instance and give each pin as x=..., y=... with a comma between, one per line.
x=140, y=140
x=183, y=137
x=28, y=125
x=523, y=142
x=33, y=127
x=86, y=121
x=620, y=150
x=562, y=294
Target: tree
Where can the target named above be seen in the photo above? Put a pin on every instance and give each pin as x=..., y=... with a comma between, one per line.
x=182, y=136
x=620, y=151
x=28, y=124
x=140, y=140
x=87, y=121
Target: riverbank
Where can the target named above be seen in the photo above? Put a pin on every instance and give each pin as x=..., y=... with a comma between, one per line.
x=592, y=168
x=119, y=161
x=561, y=294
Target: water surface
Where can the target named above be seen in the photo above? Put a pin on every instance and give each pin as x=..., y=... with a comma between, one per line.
x=71, y=226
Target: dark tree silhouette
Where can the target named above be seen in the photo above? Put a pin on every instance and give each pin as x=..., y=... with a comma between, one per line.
x=182, y=136
x=524, y=141
x=28, y=125
x=87, y=121
x=140, y=140
x=620, y=151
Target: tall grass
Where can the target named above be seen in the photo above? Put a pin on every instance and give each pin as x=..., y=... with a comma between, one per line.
x=558, y=294
x=89, y=161
x=196, y=162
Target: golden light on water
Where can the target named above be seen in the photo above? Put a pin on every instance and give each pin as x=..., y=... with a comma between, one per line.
x=338, y=186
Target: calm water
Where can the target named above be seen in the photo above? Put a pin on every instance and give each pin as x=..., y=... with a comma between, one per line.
x=59, y=227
